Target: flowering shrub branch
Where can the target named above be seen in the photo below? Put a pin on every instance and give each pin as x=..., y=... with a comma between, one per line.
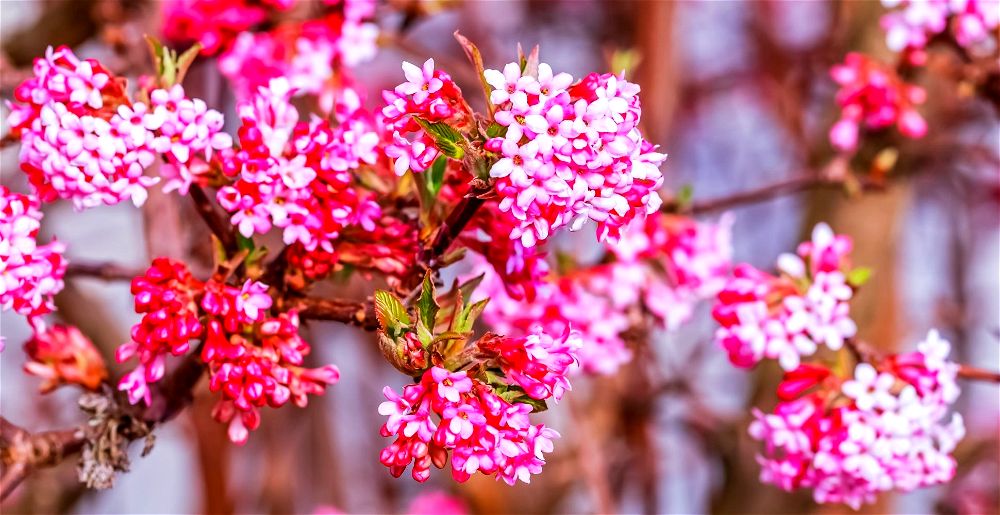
x=396, y=195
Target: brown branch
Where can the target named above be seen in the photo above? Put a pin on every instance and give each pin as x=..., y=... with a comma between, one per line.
x=456, y=222
x=361, y=314
x=762, y=194
x=22, y=451
x=978, y=374
x=8, y=140
x=219, y=226
x=103, y=271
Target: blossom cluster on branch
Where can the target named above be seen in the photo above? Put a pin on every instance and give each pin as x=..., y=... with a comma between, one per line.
x=846, y=432
x=396, y=193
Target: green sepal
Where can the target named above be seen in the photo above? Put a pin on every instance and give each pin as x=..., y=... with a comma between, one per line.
x=390, y=312
x=448, y=140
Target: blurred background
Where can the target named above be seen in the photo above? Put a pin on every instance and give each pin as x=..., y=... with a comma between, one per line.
x=738, y=94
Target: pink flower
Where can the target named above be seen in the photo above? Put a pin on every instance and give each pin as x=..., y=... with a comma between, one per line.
x=451, y=385
x=74, y=142
x=538, y=362
x=296, y=175
x=253, y=300
x=420, y=82
x=438, y=503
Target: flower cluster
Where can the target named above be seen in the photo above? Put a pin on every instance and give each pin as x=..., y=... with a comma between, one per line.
x=30, y=274
x=873, y=97
x=590, y=305
x=884, y=428
x=431, y=96
x=308, y=53
x=254, y=359
x=83, y=140
x=483, y=432
x=537, y=363
x=787, y=317
x=296, y=175
x=72, y=140
x=214, y=23
x=521, y=269
x=675, y=262
x=63, y=355
x=166, y=297
x=251, y=376
x=570, y=152
x=184, y=131
x=912, y=23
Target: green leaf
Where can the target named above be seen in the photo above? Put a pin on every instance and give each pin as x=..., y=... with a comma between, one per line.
x=170, y=69
x=427, y=306
x=495, y=130
x=185, y=61
x=389, y=311
x=537, y=405
x=448, y=140
x=424, y=334
x=467, y=318
x=514, y=394
x=244, y=243
x=434, y=177
x=470, y=286
x=859, y=276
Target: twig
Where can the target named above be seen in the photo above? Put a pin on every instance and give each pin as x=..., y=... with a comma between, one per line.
x=455, y=223
x=8, y=140
x=978, y=374
x=103, y=271
x=864, y=352
x=762, y=194
x=361, y=314
x=22, y=451
x=219, y=226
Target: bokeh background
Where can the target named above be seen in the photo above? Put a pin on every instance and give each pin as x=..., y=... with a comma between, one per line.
x=738, y=94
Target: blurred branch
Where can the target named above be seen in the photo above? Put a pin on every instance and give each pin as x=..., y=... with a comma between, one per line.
x=103, y=271
x=591, y=459
x=763, y=194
